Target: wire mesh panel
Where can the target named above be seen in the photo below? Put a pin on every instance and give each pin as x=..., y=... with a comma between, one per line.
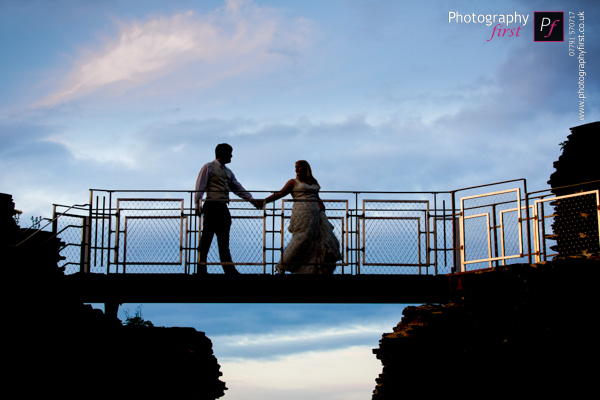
x=442, y=241
x=245, y=240
x=149, y=236
x=477, y=238
x=513, y=234
x=490, y=228
x=395, y=236
x=69, y=228
x=570, y=221
x=543, y=212
x=152, y=240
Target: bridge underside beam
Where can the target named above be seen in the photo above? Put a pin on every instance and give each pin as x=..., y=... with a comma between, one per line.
x=218, y=288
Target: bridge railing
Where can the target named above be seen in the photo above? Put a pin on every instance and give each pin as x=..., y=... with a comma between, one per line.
x=379, y=232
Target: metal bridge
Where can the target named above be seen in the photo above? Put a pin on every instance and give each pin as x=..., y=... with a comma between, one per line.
x=142, y=246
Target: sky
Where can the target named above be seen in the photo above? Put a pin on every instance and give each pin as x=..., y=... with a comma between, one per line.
x=378, y=95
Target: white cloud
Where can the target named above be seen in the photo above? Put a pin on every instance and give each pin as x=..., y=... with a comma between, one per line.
x=281, y=343
x=228, y=42
x=344, y=374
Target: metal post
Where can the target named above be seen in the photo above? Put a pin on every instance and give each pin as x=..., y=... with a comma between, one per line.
x=541, y=241
x=86, y=238
x=357, y=235
x=54, y=221
x=444, y=219
x=86, y=233
x=454, y=247
x=527, y=221
x=116, y=249
x=495, y=231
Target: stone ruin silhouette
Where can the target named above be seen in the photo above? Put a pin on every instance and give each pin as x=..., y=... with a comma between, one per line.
x=56, y=345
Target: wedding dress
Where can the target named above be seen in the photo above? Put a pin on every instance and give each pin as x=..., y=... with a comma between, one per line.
x=313, y=248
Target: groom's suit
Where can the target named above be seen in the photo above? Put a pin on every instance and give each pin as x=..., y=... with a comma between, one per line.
x=216, y=180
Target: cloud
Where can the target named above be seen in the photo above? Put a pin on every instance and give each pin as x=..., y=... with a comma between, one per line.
x=307, y=338
x=343, y=374
x=228, y=42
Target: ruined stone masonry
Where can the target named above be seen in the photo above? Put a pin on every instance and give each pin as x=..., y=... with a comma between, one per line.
x=57, y=346
x=523, y=329
x=575, y=225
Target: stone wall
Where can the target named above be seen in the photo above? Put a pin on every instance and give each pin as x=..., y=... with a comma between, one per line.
x=522, y=329
x=575, y=225
x=54, y=345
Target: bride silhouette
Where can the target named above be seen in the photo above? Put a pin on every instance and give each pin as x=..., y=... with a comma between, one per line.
x=313, y=249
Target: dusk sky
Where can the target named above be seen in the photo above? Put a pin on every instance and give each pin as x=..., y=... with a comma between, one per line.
x=378, y=95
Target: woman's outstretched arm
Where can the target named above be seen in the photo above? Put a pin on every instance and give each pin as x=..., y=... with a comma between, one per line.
x=287, y=189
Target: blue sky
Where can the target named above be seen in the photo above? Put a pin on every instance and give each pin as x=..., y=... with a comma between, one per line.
x=376, y=95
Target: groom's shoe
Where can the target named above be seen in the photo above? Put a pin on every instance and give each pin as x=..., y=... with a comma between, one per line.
x=201, y=270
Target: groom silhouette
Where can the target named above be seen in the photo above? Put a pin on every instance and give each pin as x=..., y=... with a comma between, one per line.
x=216, y=180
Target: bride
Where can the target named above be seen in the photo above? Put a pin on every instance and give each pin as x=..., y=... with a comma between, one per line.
x=313, y=249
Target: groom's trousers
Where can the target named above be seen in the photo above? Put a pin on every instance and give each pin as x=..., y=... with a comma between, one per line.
x=216, y=222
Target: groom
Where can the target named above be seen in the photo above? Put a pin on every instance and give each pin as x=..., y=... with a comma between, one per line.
x=217, y=180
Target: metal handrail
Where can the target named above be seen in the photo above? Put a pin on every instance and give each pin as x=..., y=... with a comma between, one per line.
x=50, y=221
x=102, y=230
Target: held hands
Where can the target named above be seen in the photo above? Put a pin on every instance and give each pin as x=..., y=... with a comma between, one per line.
x=257, y=203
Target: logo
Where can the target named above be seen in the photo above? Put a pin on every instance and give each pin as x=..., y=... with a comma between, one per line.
x=548, y=26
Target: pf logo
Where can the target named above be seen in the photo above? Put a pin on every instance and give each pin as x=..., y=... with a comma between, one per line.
x=548, y=26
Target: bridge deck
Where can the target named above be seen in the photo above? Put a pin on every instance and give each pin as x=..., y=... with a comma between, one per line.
x=246, y=288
